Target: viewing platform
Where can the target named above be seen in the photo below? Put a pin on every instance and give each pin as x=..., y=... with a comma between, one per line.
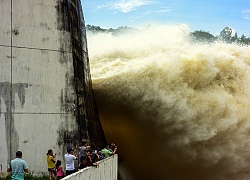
x=107, y=170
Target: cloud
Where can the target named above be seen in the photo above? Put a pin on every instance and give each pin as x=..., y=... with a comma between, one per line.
x=126, y=6
x=246, y=14
x=163, y=10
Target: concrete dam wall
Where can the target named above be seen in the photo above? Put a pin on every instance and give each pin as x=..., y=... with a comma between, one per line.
x=107, y=170
x=46, y=96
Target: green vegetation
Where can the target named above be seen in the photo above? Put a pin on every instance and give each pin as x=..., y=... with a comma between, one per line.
x=122, y=29
x=226, y=35
x=29, y=176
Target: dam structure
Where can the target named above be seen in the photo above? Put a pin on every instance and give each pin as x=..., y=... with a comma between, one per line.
x=46, y=95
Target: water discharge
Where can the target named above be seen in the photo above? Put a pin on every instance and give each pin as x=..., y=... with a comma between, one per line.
x=176, y=110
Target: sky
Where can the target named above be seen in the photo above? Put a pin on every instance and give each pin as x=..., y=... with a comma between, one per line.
x=207, y=15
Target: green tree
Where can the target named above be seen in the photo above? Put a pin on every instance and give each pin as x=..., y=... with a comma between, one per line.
x=234, y=38
x=226, y=34
x=244, y=40
x=202, y=36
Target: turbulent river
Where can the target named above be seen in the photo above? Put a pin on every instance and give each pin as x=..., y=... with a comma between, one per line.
x=175, y=109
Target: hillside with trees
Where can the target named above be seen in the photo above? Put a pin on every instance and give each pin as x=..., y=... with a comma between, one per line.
x=226, y=35
x=119, y=30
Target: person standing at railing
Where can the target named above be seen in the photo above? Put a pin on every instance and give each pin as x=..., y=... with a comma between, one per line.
x=82, y=150
x=69, y=158
x=106, y=152
x=112, y=147
x=99, y=152
x=88, y=160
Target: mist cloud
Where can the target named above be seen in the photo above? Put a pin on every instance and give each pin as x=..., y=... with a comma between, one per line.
x=166, y=101
x=162, y=10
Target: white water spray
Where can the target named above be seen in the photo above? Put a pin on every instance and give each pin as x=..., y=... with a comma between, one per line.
x=177, y=110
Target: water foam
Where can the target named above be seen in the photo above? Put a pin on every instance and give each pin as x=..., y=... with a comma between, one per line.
x=176, y=109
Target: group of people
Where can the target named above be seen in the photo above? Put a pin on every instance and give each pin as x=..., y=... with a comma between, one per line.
x=85, y=155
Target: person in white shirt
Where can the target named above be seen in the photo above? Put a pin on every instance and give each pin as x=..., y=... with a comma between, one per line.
x=69, y=158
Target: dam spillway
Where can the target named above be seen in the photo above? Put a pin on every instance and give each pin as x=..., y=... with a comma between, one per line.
x=46, y=96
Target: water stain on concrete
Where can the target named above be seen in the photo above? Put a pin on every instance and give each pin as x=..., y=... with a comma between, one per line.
x=15, y=31
x=70, y=20
x=8, y=92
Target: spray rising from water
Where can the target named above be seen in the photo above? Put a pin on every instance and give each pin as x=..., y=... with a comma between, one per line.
x=176, y=110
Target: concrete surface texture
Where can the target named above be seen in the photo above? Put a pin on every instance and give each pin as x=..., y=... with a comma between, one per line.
x=46, y=97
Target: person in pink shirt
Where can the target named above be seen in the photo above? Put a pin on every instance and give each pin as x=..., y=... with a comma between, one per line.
x=59, y=170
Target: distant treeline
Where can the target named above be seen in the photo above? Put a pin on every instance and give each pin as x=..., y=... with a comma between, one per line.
x=118, y=30
x=226, y=35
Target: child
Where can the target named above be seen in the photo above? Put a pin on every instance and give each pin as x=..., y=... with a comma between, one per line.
x=59, y=170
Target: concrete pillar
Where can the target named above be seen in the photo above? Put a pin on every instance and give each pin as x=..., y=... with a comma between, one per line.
x=46, y=96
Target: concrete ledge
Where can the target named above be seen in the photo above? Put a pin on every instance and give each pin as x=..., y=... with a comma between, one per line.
x=107, y=170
